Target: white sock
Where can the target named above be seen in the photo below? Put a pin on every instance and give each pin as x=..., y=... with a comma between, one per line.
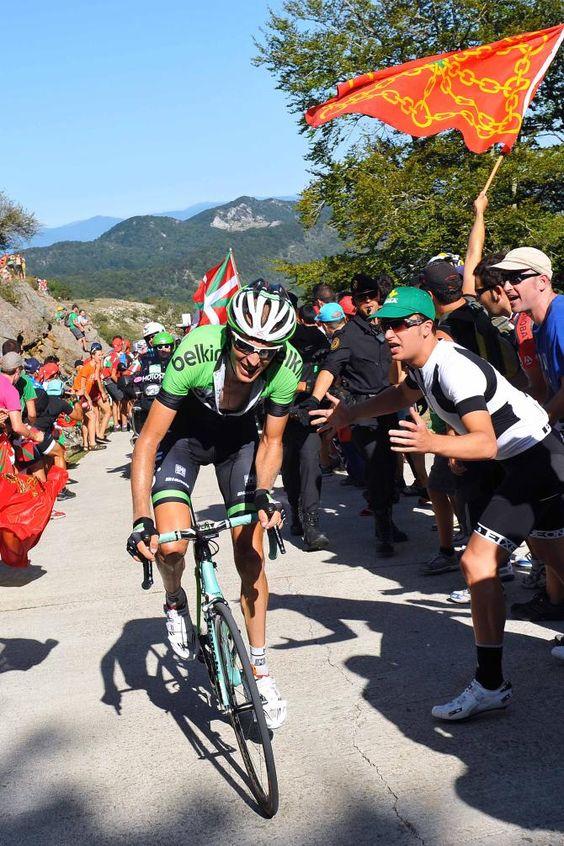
x=258, y=660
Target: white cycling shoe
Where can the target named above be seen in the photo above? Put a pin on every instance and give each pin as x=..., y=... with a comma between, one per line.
x=473, y=700
x=181, y=632
x=273, y=705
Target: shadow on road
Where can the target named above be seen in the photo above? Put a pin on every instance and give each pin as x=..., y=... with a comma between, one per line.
x=21, y=653
x=186, y=697
x=19, y=576
x=513, y=760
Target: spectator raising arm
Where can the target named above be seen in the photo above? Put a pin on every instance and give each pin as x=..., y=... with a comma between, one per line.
x=475, y=245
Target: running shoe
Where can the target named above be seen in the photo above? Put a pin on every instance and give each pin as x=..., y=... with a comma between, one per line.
x=460, y=597
x=440, y=563
x=57, y=515
x=414, y=490
x=274, y=706
x=66, y=494
x=181, y=633
x=474, y=700
x=538, y=608
x=557, y=650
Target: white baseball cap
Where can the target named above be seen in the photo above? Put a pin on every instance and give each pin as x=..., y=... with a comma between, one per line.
x=526, y=258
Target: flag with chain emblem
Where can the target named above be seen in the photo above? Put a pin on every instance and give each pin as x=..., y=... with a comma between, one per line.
x=483, y=91
x=214, y=292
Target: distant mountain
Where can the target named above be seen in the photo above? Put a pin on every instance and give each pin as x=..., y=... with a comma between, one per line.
x=80, y=230
x=184, y=214
x=153, y=256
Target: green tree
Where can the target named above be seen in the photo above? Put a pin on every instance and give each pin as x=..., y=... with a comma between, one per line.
x=16, y=224
x=395, y=199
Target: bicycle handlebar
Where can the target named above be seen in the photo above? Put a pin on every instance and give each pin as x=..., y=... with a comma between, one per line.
x=210, y=529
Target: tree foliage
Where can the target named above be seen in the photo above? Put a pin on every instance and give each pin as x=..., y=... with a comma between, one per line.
x=396, y=200
x=16, y=224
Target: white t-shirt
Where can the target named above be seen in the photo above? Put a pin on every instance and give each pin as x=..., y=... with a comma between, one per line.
x=455, y=382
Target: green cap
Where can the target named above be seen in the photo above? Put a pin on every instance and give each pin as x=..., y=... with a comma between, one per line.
x=401, y=302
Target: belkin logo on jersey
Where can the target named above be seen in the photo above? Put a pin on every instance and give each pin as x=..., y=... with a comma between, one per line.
x=199, y=355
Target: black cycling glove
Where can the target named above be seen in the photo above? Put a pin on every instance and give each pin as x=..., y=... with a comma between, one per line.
x=143, y=530
x=264, y=502
x=301, y=411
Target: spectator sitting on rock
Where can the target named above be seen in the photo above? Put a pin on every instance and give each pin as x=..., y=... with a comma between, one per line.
x=77, y=331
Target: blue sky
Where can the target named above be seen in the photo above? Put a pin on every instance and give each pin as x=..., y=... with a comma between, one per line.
x=123, y=107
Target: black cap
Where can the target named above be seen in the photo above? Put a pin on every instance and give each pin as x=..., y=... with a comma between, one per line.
x=362, y=283
x=440, y=278
x=95, y=347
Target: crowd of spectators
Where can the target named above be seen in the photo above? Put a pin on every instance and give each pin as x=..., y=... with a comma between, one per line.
x=47, y=408
x=518, y=328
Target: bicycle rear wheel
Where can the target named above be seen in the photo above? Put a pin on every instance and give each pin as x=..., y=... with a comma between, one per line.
x=246, y=712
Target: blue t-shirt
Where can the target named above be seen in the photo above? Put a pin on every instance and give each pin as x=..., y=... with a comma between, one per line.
x=549, y=338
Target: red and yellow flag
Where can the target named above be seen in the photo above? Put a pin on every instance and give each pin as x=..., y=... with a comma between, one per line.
x=482, y=91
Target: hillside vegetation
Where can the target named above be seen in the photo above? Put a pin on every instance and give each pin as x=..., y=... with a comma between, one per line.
x=151, y=256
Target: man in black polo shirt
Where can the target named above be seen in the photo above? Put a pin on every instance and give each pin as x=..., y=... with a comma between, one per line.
x=360, y=357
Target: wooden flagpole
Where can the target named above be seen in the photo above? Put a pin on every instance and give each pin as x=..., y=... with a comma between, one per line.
x=491, y=177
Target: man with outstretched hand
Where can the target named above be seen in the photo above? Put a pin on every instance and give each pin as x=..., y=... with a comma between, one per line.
x=205, y=414
x=492, y=419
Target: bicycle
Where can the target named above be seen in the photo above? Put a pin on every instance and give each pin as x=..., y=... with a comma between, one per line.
x=224, y=654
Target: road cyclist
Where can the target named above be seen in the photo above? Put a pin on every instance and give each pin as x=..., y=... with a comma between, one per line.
x=205, y=414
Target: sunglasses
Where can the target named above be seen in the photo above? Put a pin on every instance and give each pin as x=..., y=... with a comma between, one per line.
x=163, y=346
x=264, y=353
x=364, y=296
x=519, y=277
x=395, y=323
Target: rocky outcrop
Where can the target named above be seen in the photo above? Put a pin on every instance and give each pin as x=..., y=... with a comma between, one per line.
x=25, y=312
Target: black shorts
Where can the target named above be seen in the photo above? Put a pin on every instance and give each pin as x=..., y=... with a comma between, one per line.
x=113, y=390
x=530, y=499
x=229, y=444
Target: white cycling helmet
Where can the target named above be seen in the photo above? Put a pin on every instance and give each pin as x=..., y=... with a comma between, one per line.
x=262, y=312
x=152, y=327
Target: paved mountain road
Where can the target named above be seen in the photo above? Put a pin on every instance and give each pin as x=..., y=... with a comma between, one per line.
x=105, y=739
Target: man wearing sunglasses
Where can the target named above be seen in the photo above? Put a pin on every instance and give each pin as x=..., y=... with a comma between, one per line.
x=205, y=414
x=527, y=282
x=492, y=420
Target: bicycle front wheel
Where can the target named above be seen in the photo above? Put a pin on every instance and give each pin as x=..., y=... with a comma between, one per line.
x=246, y=712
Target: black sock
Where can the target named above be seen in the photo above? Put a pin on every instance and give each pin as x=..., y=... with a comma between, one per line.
x=447, y=550
x=488, y=671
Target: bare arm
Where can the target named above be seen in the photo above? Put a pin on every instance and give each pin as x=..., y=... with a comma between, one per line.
x=23, y=429
x=479, y=444
x=269, y=460
x=392, y=399
x=322, y=384
x=143, y=462
x=475, y=245
x=31, y=410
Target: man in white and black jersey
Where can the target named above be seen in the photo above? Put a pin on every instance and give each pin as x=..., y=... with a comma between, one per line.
x=493, y=420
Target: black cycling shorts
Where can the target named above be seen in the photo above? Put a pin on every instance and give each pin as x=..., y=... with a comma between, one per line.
x=530, y=499
x=229, y=444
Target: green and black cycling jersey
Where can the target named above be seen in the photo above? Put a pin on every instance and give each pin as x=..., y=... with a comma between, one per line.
x=198, y=368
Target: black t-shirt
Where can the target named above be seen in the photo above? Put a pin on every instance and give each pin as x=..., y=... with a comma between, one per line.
x=360, y=355
x=48, y=409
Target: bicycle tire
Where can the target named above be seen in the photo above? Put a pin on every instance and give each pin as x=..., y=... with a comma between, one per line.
x=246, y=712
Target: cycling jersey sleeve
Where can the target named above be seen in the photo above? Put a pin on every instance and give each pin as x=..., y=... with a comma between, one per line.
x=282, y=385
